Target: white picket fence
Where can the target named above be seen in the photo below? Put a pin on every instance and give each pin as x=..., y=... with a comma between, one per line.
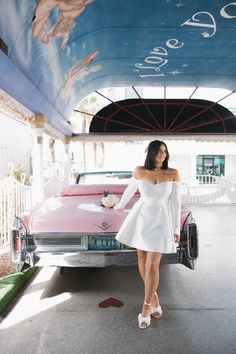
x=16, y=197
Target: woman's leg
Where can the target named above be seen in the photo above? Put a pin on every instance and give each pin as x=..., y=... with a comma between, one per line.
x=142, y=256
x=151, y=279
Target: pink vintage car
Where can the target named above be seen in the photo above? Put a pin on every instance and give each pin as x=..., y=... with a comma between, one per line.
x=74, y=229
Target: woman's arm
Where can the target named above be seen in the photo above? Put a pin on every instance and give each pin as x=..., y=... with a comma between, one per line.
x=175, y=205
x=130, y=190
x=128, y=194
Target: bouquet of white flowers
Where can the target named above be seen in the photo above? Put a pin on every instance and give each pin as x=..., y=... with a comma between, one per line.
x=109, y=200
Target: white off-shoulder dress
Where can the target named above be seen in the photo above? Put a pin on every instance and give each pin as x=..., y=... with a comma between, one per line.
x=154, y=218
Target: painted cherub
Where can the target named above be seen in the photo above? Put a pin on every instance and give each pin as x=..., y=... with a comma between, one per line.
x=69, y=10
x=77, y=72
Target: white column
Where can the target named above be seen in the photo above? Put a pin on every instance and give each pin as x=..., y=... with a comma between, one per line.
x=84, y=157
x=230, y=165
x=67, y=160
x=193, y=164
x=37, y=127
x=193, y=169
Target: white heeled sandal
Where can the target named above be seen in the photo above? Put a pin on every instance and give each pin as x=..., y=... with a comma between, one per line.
x=144, y=322
x=156, y=310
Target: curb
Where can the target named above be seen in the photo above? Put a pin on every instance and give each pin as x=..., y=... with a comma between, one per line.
x=11, y=284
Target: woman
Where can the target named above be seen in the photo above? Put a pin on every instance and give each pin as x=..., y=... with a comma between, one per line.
x=153, y=224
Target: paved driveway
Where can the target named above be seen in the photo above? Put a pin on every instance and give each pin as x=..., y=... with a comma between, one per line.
x=61, y=314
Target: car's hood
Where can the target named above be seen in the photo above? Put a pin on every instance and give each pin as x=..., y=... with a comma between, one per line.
x=79, y=213
x=75, y=214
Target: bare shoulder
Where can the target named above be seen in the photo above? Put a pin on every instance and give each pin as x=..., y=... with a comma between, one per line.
x=138, y=172
x=174, y=174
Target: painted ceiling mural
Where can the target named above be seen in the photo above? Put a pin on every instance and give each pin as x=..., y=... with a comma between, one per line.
x=55, y=52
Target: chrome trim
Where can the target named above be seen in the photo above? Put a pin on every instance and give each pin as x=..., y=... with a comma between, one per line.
x=94, y=258
x=70, y=234
x=104, y=226
x=57, y=248
x=86, y=258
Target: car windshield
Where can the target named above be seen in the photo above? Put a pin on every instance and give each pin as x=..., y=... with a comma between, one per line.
x=108, y=177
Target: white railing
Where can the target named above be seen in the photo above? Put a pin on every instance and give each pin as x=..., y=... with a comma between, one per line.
x=16, y=198
x=230, y=189
x=208, y=189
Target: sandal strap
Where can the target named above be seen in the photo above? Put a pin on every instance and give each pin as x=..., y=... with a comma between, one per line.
x=147, y=303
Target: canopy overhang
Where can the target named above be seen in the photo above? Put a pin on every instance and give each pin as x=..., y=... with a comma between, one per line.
x=164, y=116
x=114, y=137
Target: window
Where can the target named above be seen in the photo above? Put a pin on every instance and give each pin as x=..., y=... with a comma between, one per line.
x=211, y=164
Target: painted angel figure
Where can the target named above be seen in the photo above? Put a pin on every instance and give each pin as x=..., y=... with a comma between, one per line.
x=69, y=10
x=78, y=71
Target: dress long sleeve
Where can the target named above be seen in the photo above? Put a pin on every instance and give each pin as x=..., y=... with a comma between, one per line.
x=128, y=194
x=175, y=205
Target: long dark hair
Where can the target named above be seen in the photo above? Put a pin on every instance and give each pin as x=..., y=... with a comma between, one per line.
x=152, y=151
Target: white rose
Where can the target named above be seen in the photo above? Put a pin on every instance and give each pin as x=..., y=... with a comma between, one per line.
x=109, y=200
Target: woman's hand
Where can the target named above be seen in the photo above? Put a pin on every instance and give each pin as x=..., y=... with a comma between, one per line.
x=177, y=238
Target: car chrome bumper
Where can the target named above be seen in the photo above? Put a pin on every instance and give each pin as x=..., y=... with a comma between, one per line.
x=93, y=258
x=85, y=258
